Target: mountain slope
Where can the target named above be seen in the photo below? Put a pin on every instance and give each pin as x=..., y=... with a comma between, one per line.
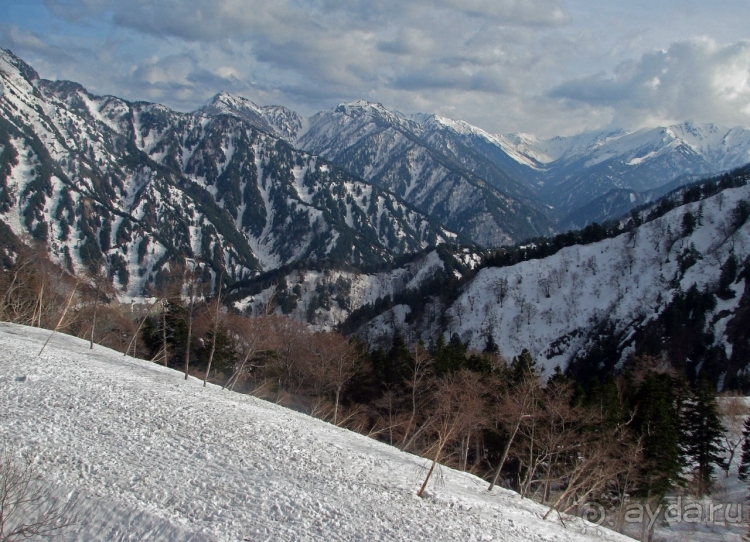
x=324, y=296
x=145, y=455
x=135, y=185
x=665, y=286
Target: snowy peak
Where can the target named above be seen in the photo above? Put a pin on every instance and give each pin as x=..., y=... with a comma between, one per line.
x=227, y=104
x=273, y=119
x=448, y=169
x=10, y=64
x=723, y=147
x=364, y=112
x=288, y=124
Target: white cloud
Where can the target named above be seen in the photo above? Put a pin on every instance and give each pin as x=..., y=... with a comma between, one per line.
x=506, y=65
x=697, y=79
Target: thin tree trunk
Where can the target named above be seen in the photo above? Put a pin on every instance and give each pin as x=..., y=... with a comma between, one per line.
x=336, y=407
x=216, y=330
x=236, y=374
x=189, y=337
x=417, y=433
x=164, y=333
x=465, y=458
x=413, y=413
x=93, y=324
x=429, y=473
x=36, y=319
x=504, y=456
x=9, y=291
x=62, y=316
x=133, y=342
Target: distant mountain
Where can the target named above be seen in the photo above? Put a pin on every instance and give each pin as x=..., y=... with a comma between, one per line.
x=517, y=186
x=617, y=203
x=138, y=186
x=577, y=170
x=430, y=164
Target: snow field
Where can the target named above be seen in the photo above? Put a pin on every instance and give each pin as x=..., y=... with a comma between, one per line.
x=144, y=454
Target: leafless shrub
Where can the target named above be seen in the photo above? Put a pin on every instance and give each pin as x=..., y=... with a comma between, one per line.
x=26, y=507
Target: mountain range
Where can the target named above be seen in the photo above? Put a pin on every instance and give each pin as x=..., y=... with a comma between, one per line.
x=244, y=189
x=136, y=186
x=525, y=186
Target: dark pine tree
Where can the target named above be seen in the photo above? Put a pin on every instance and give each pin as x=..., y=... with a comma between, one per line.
x=450, y=357
x=657, y=421
x=522, y=366
x=745, y=460
x=703, y=432
x=605, y=398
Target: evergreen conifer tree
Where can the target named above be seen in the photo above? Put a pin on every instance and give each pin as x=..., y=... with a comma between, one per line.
x=703, y=432
x=657, y=421
x=522, y=366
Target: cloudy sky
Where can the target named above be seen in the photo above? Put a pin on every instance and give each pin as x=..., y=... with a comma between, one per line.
x=545, y=67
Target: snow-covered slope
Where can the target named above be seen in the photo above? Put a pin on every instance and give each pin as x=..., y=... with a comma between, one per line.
x=325, y=297
x=562, y=306
x=145, y=455
x=565, y=172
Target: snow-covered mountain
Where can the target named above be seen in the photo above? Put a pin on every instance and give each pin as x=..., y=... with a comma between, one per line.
x=142, y=454
x=676, y=285
x=577, y=170
x=138, y=185
x=434, y=167
x=519, y=171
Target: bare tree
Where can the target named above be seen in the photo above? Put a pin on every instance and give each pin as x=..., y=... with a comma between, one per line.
x=458, y=408
x=26, y=507
x=545, y=285
x=418, y=384
x=98, y=282
x=590, y=264
x=32, y=289
x=62, y=317
x=335, y=361
x=557, y=276
x=191, y=278
x=733, y=412
x=517, y=405
x=134, y=339
x=594, y=464
x=289, y=342
x=500, y=289
x=253, y=338
x=215, y=329
x=528, y=311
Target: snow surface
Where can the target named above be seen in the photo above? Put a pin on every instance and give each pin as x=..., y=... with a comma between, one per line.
x=145, y=455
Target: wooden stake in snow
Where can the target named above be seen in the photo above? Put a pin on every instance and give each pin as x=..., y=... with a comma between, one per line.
x=62, y=316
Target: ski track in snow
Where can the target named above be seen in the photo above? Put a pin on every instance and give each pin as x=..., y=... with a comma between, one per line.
x=146, y=455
